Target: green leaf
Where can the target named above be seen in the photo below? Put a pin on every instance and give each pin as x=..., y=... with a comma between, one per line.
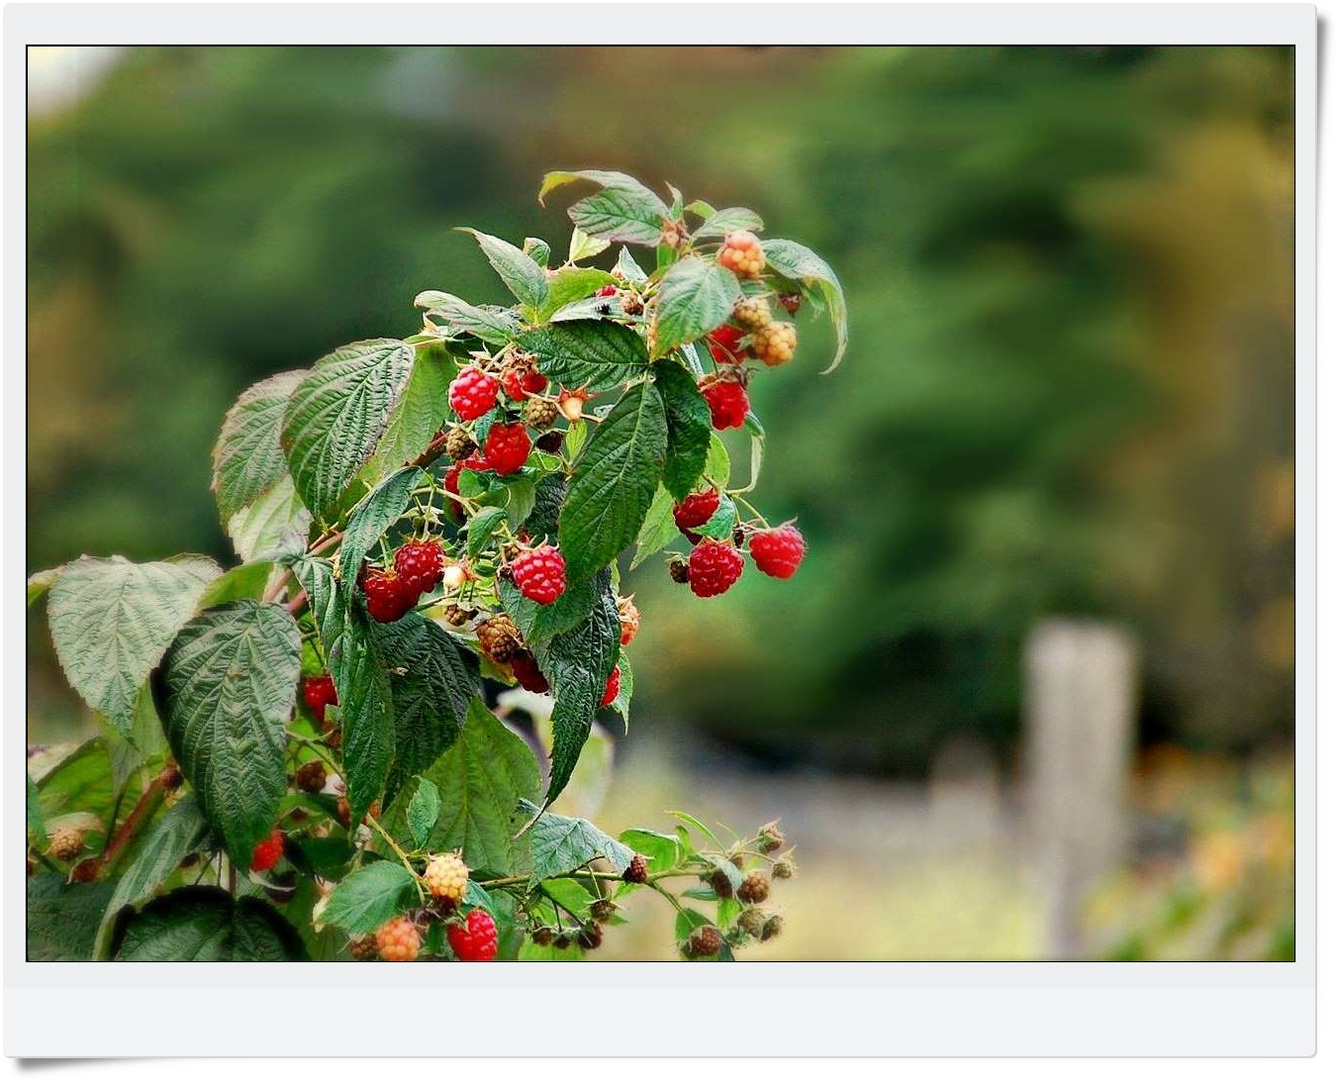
x=497, y=326
x=36, y=823
x=227, y=690
x=337, y=414
x=248, y=460
x=560, y=845
x=369, y=897
x=146, y=745
x=662, y=852
x=374, y=515
x=364, y=688
x=518, y=271
x=539, y=622
x=40, y=582
x=688, y=819
x=717, y=470
x=424, y=809
x=722, y=523
x=695, y=297
x=112, y=620
x=624, y=210
x=205, y=923
x=482, y=779
x=732, y=218
x=71, y=778
x=658, y=531
x=689, y=428
x=325, y=599
x=586, y=352
x=275, y=527
x=538, y=250
x=571, y=284
x=482, y=527
x=245, y=582
x=614, y=481
x=62, y=919
x=630, y=268
x=420, y=413
x=797, y=262
x=549, y=495
x=582, y=246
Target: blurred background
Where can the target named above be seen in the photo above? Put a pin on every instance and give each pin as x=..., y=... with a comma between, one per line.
x=1032, y=694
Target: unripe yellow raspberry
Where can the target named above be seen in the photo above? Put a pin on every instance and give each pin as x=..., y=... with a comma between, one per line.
x=775, y=343
x=398, y=940
x=446, y=877
x=753, y=313
x=741, y=253
x=66, y=844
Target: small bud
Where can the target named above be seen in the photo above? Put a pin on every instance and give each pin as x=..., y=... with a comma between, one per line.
x=771, y=838
x=772, y=927
x=542, y=935
x=603, y=910
x=790, y=301
x=783, y=868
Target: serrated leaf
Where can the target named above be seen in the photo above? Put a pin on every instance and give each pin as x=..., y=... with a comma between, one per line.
x=336, y=416
x=275, y=527
x=560, y=845
x=695, y=297
x=495, y=325
x=112, y=620
x=586, y=352
x=732, y=218
x=205, y=923
x=420, y=413
x=538, y=622
x=573, y=283
x=722, y=523
x=797, y=262
x=228, y=686
x=624, y=210
x=248, y=460
x=40, y=582
x=72, y=778
x=325, y=600
x=367, y=708
x=658, y=530
x=36, y=822
x=538, y=250
x=717, y=470
x=630, y=268
x=583, y=246
x=614, y=481
x=369, y=897
x=374, y=515
x=549, y=495
x=482, y=527
x=62, y=919
x=688, y=428
x=662, y=852
x=424, y=809
x=519, y=272
x=245, y=582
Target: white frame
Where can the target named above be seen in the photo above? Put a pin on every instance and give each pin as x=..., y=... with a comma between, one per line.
x=872, y=1008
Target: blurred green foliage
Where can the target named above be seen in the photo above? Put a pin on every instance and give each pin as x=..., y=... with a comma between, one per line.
x=1069, y=388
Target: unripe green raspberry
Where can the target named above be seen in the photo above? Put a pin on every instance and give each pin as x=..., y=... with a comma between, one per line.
x=460, y=443
x=751, y=921
x=772, y=927
x=771, y=838
x=540, y=413
x=783, y=868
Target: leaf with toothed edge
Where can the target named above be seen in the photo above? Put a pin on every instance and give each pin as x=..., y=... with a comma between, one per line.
x=797, y=262
x=248, y=460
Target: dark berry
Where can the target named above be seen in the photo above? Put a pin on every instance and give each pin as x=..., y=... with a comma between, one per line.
x=527, y=672
x=754, y=888
x=635, y=874
x=310, y=777
x=499, y=638
x=460, y=444
x=703, y=942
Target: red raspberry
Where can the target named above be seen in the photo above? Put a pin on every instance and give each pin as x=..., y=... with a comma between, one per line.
x=518, y=382
x=541, y=575
x=399, y=939
x=727, y=399
x=268, y=851
x=629, y=618
x=724, y=345
x=635, y=874
x=387, y=599
x=611, y=688
x=527, y=673
x=451, y=481
x=741, y=253
x=696, y=510
x=472, y=393
x=477, y=939
x=506, y=448
x=318, y=691
x=713, y=567
x=608, y=290
x=778, y=552
x=420, y=566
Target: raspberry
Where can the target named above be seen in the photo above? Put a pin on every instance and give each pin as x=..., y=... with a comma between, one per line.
x=774, y=344
x=527, y=672
x=741, y=253
x=540, y=413
x=419, y=565
x=713, y=567
x=541, y=575
x=506, y=448
x=318, y=691
x=542, y=935
x=782, y=869
x=520, y=381
x=590, y=936
x=791, y=301
x=499, y=638
x=635, y=874
x=772, y=927
x=778, y=552
x=310, y=778
x=678, y=571
x=446, y=877
x=673, y=233
x=752, y=313
x=457, y=615
x=460, y=444
x=607, y=290
x=603, y=910
x=720, y=884
x=387, y=598
x=723, y=342
x=364, y=948
x=451, y=481
x=472, y=393
x=268, y=851
x=611, y=688
x=66, y=844
x=751, y=921
x=632, y=304
x=398, y=939
x=771, y=838
x=550, y=442
x=86, y=871
x=629, y=618
x=696, y=510
x=477, y=939
x=703, y=942
x=727, y=399
x=754, y=888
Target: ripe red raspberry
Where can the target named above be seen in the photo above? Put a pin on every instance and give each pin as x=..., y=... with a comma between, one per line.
x=727, y=399
x=703, y=942
x=608, y=290
x=541, y=575
x=387, y=598
x=778, y=552
x=527, y=673
x=775, y=343
x=268, y=851
x=420, y=565
x=477, y=939
x=741, y=253
x=629, y=619
x=399, y=939
x=506, y=448
x=713, y=567
x=696, y=510
x=517, y=382
x=611, y=688
x=318, y=691
x=724, y=345
x=635, y=874
x=472, y=393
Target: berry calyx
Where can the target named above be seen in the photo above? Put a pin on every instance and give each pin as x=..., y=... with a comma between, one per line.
x=446, y=877
x=696, y=510
x=506, y=448
x=268, y=852
x=629, y=620
x=611, y=688
x=724, y=344
x=703, y=942
x=318, y=691
x=727, y=399
x=713, y=567
x=752, y=313
x=472, y=393
x=476, y=939
x=399, y=940
x=754, y=888
x=527, y=672
x=310, y=778
x=775, y=343
x=541, y=574
x=66, y=843
x=741, y=253
x=778, y=552
x=635, y=874
x=519, y=382
x=419, y=565
x=499, y=638
x=387, y=599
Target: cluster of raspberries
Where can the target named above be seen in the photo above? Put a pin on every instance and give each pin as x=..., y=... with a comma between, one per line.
x=418, y=568
x=715, y=565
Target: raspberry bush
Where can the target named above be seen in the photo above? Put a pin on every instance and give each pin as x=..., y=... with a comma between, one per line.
x=298, y=760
